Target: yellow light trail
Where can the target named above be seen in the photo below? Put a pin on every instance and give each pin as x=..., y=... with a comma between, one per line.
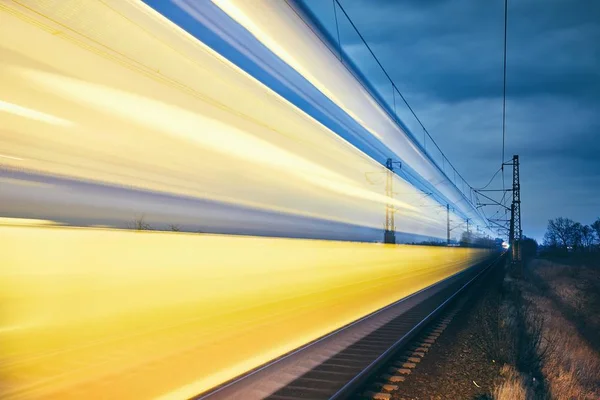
x=111, y=92
x=159, y=110
x=101, y=313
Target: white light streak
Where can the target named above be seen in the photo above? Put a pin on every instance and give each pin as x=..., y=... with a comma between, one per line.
x=32, y=114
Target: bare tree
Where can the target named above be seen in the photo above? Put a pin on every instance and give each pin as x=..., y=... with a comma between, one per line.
x=550, y=238
x=174, y=227
x=587, y=237
x=561, y=232
x=138, y=224
x=596, y=227
x=576, y=236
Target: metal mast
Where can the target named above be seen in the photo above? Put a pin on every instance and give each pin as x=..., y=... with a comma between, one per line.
x=516, y=231
x=389, y=235
x=511, y=229
x=448, y=224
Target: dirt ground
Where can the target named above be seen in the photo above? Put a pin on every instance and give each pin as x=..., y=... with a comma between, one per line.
x=529, y=337
x=456, y=367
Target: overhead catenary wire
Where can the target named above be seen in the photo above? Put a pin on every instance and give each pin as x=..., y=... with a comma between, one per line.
x=338, y=31
x=504, y=89
x=394, y=87
x=488, y=184
x=503, y=162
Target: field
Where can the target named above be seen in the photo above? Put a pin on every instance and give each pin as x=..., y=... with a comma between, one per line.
x=557, y=302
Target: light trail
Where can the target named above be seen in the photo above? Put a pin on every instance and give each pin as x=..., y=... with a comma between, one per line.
x=156, y=112
x=109, y=110
x=277, y=26
x=32, y=114
x=10, y=157
x=119, y=314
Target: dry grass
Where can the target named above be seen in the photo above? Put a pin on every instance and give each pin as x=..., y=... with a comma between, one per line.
x=496, y=320
x=572, y=367
x=538, y=334
x=511, y=335
x=513, y=386
x=576, y=287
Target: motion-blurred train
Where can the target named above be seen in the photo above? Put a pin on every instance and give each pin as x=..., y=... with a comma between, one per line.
x=190, y=189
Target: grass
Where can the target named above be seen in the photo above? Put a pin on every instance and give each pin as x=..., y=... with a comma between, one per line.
x=496, y=320
x=511, y=336
x=575, y=287
x=513, y=385
x=539, y=335
x=572, y=369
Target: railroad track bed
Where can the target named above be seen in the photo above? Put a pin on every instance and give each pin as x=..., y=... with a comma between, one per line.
x=390, y=378
x=433, y=365
x=339, y=364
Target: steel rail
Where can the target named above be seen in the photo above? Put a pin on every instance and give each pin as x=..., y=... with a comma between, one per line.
x=335, y=365
x=349, y=388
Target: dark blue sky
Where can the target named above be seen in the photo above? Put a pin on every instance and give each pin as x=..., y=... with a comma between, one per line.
x=446, y=58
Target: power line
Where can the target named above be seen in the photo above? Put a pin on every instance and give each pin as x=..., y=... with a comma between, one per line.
x=338, y=31
x=395, y=88
x=504, y=88
x=488, y=184
x=380, y=66
x=503, y=162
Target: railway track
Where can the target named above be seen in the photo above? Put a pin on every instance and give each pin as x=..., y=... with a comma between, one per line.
x=335, y=366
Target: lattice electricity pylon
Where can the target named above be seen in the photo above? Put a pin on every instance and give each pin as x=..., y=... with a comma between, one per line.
x=510, y=226
x=447, y=224
x=389, y=235
x=516, y=233
x=389, y=227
